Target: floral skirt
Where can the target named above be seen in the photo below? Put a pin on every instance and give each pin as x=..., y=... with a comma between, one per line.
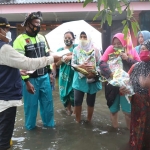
x=140, y=122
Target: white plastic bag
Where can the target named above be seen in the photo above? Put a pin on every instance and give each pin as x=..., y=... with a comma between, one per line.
x=121, y=78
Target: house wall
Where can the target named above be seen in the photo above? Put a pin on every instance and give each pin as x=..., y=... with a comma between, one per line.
x=73, y=7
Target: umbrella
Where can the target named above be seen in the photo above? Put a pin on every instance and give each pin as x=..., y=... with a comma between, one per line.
x=56, y=36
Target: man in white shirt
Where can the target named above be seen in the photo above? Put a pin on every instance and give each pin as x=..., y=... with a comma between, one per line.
x=10, y=81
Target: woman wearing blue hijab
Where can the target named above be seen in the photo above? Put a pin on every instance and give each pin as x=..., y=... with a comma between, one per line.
x=142, y=36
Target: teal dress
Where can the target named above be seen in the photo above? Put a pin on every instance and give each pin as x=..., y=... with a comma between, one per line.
x=65, y=81
x=80, y=82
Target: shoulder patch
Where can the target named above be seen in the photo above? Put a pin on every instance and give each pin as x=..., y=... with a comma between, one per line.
x=28, y=41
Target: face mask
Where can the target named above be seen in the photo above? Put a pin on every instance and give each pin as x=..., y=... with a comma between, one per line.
x=119, y=49
x=8, y=36
x=35, y=29
x=145, y=56
x=83, y=42
x=68, y=42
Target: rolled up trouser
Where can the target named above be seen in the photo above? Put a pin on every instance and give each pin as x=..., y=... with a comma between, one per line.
x=7, y=121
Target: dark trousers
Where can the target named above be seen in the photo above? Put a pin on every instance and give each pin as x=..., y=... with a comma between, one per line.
x=78, y=98
x=7, y=121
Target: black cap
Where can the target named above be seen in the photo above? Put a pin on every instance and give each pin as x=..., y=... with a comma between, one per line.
x=4, y=23
x=31, y=16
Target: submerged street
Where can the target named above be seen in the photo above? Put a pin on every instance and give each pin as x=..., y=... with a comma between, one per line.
x=68, y=135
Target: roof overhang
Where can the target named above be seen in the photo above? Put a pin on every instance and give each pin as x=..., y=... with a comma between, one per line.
x=62, y=12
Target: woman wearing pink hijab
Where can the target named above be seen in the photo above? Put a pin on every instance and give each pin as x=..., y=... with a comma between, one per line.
x=113, y=97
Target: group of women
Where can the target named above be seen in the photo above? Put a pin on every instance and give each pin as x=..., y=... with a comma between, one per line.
x=136, y=61
x=72, y=84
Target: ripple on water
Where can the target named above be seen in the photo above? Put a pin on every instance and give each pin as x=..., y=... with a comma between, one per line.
x=101, y=131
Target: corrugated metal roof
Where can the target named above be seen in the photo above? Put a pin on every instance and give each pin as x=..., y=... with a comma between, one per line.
x=40, y=1
x=6, y=2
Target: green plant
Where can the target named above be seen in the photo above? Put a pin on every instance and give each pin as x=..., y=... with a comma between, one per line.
x=106, y=9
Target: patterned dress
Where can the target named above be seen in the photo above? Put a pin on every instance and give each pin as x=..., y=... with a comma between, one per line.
x=140, y=110
x=65, y=82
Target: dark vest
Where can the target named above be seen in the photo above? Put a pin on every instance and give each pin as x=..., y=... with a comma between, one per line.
x=35, y=51
x=10, y=82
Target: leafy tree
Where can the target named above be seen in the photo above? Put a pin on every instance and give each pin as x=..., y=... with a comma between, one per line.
x=106, y=9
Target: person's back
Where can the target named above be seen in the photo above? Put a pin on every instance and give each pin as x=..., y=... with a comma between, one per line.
x=10, y=81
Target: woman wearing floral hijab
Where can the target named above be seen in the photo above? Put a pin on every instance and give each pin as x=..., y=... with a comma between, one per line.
x=128, y=58
x=140, y=102
x=87, y=57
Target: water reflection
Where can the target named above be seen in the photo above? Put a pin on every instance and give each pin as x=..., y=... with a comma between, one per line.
x=68, y=135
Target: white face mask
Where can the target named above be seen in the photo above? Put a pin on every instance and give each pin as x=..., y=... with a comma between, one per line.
x=84, y=42
x=8, y=36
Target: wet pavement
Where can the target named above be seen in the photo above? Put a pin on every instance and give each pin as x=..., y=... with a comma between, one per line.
x=68, y=135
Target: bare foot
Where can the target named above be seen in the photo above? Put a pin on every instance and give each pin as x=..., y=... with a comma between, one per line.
x=73, y=114
x=78, y=122
x=69, y=112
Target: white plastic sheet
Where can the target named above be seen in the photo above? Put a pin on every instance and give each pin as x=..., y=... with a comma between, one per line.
x=55, y=38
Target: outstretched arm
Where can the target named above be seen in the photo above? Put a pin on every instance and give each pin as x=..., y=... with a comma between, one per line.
x=12, y=58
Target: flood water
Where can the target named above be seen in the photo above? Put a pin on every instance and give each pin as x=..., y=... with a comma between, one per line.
x=68, y=135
